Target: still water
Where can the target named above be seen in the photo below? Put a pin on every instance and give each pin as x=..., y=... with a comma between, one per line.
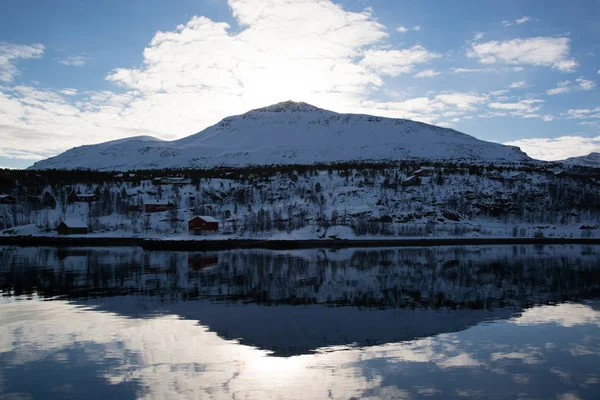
x=498, y=322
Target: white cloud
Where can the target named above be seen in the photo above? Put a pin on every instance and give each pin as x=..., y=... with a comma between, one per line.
x=69, y=92
x=585, y=84
x=522, y=106
x=583, y=113
x=439, y=109
x=562, y=87
x=403, y=29
x=557, y=148
x=11, y=53
x=309, y=50
x=517, y=85
x=539, y=51
x=470, y=70
x=478, y=36
x=519, y=21
x=586, y=116
x=73, y=61
x=567, y=86
x=428, y=73
x=396, y=62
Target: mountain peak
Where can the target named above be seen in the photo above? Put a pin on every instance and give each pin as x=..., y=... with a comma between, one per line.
x=288, y=106
x=289, y=133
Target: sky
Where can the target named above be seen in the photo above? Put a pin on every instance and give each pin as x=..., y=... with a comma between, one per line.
x=519, y=72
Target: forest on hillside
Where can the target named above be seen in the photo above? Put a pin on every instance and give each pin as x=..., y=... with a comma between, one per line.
x=398, y=199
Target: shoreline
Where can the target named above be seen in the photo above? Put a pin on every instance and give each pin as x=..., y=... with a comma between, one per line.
x=230, y=244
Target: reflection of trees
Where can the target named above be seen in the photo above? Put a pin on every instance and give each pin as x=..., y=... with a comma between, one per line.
x=477, y=278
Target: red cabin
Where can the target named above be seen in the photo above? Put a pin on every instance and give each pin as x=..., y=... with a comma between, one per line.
x=202, y=223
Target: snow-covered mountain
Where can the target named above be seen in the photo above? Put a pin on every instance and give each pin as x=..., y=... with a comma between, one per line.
x=591, y=160
x=288, y=133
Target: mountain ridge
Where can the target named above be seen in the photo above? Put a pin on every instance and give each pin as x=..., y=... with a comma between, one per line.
x=288, y=133
x=590, y=160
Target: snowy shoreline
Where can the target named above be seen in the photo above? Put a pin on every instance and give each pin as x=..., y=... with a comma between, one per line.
x=225, y=244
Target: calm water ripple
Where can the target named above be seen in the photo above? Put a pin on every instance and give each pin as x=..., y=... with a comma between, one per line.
x=498, y=322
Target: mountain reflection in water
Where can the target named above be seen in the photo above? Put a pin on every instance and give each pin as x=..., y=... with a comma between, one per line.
x=396, y=323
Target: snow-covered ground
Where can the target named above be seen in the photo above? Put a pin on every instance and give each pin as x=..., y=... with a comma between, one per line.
x=591, y=160
x=330, y=204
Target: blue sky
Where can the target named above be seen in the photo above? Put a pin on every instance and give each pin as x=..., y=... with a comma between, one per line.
x=518, y=72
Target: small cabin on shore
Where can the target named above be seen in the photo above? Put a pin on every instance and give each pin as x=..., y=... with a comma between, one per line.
x=423, y=173
x=202, y=223
x=72, y=227
x=151, y=206
x=411, y=181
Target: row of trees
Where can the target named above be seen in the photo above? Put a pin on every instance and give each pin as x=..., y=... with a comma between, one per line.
x=268, y=198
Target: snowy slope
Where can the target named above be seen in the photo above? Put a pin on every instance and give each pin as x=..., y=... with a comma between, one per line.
x=591, y=160
x=288, y=133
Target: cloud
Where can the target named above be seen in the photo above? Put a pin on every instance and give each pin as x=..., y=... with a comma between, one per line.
x=584, y=113
x=558, y=148
x=539, y=51
x=558, y=90
x=519, y=21
x=439, y=109
x=471, y=70
x=562, y=87
x=525, y=106
x=428, y=73
x=396, y=62
x=568, y=87
x=403, y=29
x=11, y=53
x=585, y=84
x=517, y=85
x=309, y=50
x=69, y=92
x=586, y=116
x=478, y=36
x=73, y=61
x=527, y=109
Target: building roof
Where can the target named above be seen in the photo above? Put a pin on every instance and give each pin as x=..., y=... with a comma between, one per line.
x=74, y=223
x=206, y=218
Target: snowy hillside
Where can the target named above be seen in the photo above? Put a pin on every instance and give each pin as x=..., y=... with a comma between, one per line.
x=591, y=160
x=403, y=199
x=288, y=133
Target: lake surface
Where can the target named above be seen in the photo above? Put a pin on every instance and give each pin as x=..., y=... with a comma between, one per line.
x=500, y=322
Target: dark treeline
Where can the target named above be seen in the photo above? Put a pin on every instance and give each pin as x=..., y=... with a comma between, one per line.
x=286, y=198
